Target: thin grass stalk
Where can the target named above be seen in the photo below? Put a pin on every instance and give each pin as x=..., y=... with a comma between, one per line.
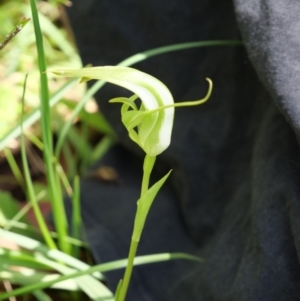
x=86, y=158
x=14, y=223
x=31, y=194
x=64, y=179
x=69, y=161
x=41, y=296
x=15, y=220
x=58, y=168
x=76, y=215
x=176, y=47
x=14, y=168
x=36, y=141
x=54, y=185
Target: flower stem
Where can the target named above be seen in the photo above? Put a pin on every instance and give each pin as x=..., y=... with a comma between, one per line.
x=147, y=169
x=128, y=271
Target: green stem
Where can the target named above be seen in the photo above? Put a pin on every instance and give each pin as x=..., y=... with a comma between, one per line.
x=128, y=271
x=147, y=169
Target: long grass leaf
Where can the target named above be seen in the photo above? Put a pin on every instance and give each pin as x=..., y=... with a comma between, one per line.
x=41, y=296
x=8, y=208
x=14, y=167
x=31, y=194
x=53, y=182
x=21, y=258
x=29, y=277
x=36, y=246
x=58, y=168
x=64, y=179
x=176, y=47
x=69, y=158
x=20, y=225
x=92, y=287
x=88, y=284
x=103, y=268
x=76, y=214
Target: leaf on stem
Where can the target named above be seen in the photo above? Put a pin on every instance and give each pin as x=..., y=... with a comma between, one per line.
x=144, y=204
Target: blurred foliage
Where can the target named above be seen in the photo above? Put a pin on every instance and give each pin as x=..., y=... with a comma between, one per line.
x=19, y=56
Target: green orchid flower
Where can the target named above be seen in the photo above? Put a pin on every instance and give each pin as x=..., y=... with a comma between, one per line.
x=150, y=126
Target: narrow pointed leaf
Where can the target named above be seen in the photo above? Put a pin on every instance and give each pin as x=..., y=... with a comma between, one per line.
x=144, y=204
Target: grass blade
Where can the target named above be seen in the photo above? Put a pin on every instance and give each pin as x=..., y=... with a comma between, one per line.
x=30, y=190
x=31, y=231
x=88, y=284
x=176, y=47
x=29, y=277
x=41, y=296
x=104, y=268
x=76, y=215
x=21, y=258
x=14, y=167
x=36, y=246
x=91, y=286
x=53, y=182
x=14, y=32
